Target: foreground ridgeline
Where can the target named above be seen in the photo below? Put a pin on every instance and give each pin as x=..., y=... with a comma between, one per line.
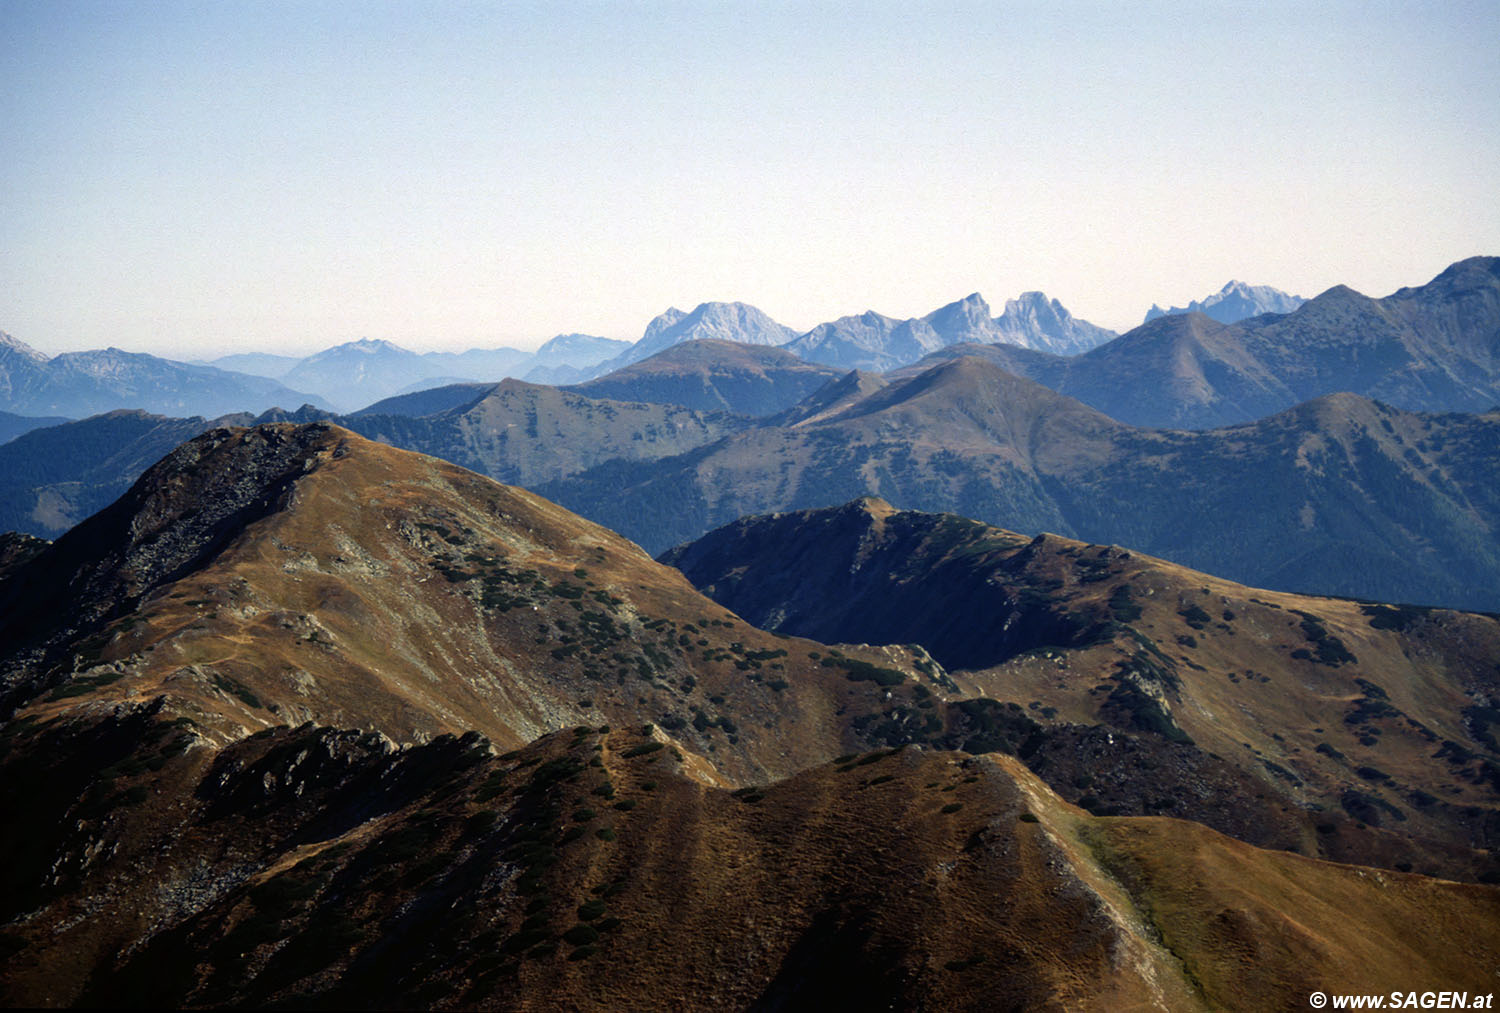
x=305, y=720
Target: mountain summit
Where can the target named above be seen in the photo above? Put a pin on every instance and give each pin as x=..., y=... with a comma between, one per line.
x=360, y=371
x=1036, y=322
x=10, y=346
x=1234, y=302
x=723, y=321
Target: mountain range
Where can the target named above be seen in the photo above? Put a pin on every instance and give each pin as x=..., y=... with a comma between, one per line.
x=1234, y=302
x=358, y=373
x=1435, y=347
x=870, y=340
x=1430, y=348
x=77, y=384
x=306, y=720
x=1160, y=674
x=1341, y=495
x=877, y=343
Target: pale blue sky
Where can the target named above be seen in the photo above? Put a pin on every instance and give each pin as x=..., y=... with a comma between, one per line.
x=197, y=178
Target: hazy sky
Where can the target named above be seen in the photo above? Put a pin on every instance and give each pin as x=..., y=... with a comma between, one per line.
x=190, y=179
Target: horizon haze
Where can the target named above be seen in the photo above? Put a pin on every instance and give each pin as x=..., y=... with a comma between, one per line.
x=193, y=180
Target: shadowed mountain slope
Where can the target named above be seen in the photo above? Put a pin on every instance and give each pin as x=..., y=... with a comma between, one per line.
x=1374, y=712
x=428, y=401
x=52, y=477
x=310, y=867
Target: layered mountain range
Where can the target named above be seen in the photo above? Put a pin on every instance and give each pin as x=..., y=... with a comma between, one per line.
x=1340, y=495
x=1282, y=688
x=996, y=677
x=357, y=373
x=1431, y=348
x=306, y=720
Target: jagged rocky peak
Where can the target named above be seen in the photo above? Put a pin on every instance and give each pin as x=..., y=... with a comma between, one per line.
x=726, y=321
x=713, y=319
x=968, y=316
x=1036, y=306
x=1045, y=325
x=733, y=321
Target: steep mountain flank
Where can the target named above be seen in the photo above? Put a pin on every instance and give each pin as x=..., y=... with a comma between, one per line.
x=1188, y=372
x=1436, y=347
x=1037, y=323
x=429, y=401
x=286, y=574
